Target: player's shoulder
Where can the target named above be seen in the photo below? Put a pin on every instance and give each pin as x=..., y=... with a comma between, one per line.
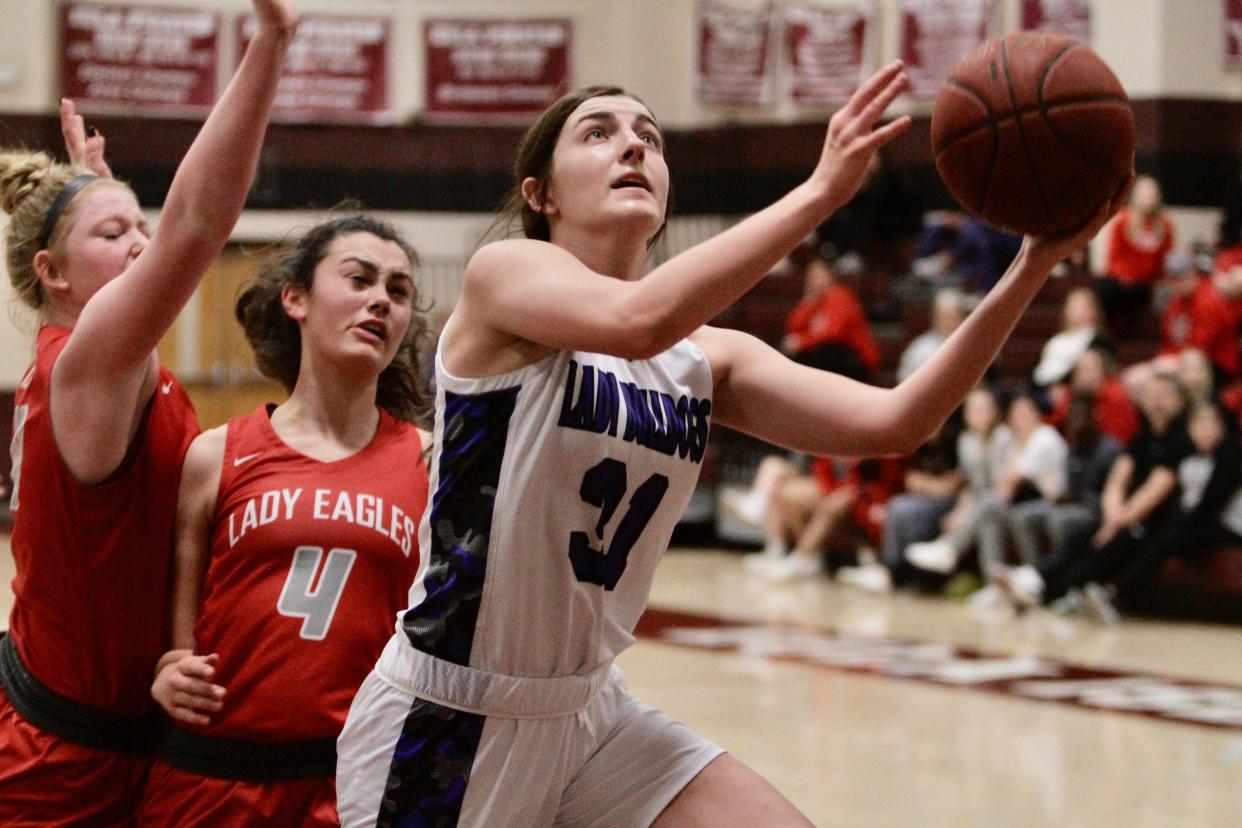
x=507, y=257
x=207, y=449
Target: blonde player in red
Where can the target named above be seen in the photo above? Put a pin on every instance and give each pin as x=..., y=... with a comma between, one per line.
x=296, y=538
x=575, y=393
x=99, y=433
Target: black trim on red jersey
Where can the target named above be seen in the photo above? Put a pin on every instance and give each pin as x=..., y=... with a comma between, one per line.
x=250, y=761
x=71, y=720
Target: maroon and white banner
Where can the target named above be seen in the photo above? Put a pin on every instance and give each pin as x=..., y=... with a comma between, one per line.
x=826, y=52
x=336, y=69
x=734, y=66
x=139, y=59
x=1233, y=34
x=1069, y=17
x=935, y=33
x=496, y=69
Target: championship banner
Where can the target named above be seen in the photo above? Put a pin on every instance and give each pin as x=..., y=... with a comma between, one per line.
x=935, y=33
x=826, y=54
x=1068, y=17
x=336, y=69
x=487, y=69
x=733, y=66
x=135, y=59
x=1233, y=34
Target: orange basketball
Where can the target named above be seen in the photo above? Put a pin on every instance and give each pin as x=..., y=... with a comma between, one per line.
x=1033, y=132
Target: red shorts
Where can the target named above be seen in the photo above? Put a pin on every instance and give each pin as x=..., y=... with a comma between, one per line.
x=177, y=797
x=47, y=781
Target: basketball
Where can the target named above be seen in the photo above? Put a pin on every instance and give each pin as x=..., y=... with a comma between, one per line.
x=1032, y=133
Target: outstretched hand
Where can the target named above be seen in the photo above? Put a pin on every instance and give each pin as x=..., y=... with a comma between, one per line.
x=1053, y=249
x=853, y=137
x=185, y=691
x=85, y=150
x=279, y=15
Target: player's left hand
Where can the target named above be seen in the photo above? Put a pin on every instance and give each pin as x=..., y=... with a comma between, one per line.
x=185, y=690
x=278, y=15
x=85, y=147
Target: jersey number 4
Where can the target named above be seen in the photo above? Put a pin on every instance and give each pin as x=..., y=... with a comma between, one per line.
x=604, y=485
x=315, y=603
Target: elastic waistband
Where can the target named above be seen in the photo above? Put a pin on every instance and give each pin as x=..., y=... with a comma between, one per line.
x=250, y=761
x=71, y=720
x=488, y=694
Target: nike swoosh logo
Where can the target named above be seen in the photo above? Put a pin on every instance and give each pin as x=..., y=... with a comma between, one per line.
x=166, y=388
x=237, y=461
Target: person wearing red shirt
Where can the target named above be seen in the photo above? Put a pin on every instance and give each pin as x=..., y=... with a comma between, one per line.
x=828, y=328
x=296, y=538
x=100, y=430
x=1095, y=375
x=1198, y=317
x=1138, y=240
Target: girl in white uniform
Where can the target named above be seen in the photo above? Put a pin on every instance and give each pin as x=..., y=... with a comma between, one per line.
x=574, y=398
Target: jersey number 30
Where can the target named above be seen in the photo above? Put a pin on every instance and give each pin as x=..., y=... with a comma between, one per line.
x=604, y=486
x=315, y=606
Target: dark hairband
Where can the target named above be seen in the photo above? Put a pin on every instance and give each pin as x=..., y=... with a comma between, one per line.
x=59, y=204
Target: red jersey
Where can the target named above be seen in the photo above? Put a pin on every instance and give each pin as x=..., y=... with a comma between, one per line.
x=90, y=609
x=1202, y=320
x=1136, y=248
x=835, y=316
x=1114, y=413
x=310, y=564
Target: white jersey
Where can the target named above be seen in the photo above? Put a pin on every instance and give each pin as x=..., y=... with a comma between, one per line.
x=556, y=489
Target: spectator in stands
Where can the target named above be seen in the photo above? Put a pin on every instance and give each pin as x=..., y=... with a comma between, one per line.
x=1227, y=263
x=982, y=253
x=840, y=503
x=1197, y=316
x=1208, y=511
x=828, y=330
x=1138, y=240
x=949, y=308
x=1033, y=468
x=1095, y=375
x=931, y=484
x=1135, y=502
x=1082, y=325
x=1042, y=525
x=933, y=254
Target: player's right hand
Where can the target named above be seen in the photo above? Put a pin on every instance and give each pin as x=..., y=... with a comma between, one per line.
x=85, y=150
x=185, y=691
x=278, y=15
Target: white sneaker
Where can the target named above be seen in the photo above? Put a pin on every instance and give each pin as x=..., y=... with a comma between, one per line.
x=933, y=556
x=796, y=568
x=1023, y=584
x=1099, y=605
x=749, y=507
x=990, y=597
x=761, y=562
x=871, y=577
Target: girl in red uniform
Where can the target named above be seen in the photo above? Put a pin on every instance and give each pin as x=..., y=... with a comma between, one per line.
x=100, y=429
x=296, y=542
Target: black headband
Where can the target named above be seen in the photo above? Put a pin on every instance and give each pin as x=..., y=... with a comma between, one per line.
x=59, y=204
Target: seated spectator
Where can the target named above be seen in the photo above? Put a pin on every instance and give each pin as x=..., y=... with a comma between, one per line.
x=1042, y=525
x=841, y=502
x=828, y=330
x=1134, y=504
x=1081, y=327
x=982, y=253
x=1197, y=317
x=1227, y=264
x=1194, y=370
x=1208, y=510
x=1095, y=376
x=933, y=254
x=949, y=309
x=931, y=483
x=1138, y=240
x=1034, y=468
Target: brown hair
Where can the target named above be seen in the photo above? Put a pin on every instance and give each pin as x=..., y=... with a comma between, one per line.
x=534, y=160
x=29, y=183
x=277, y=341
